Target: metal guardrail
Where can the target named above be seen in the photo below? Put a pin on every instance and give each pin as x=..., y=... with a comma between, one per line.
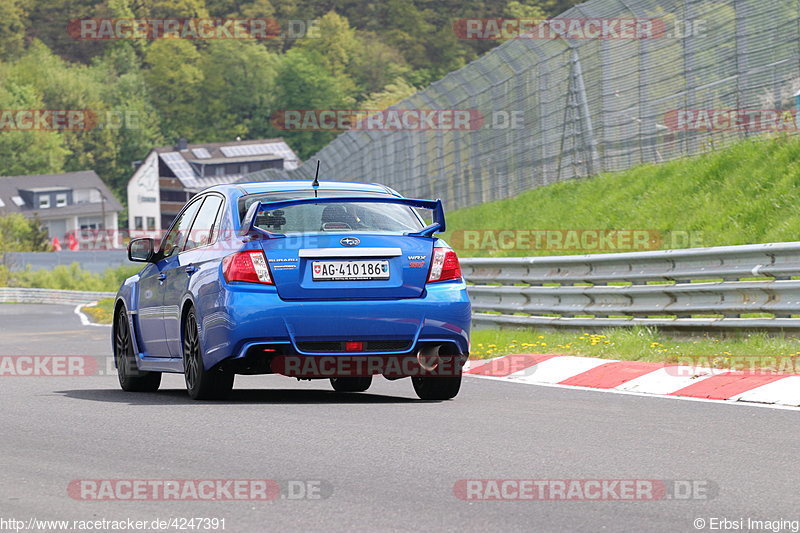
x=668, y=289
x=95, y=261
x=50, y=296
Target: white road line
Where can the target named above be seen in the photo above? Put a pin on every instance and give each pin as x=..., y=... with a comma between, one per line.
x=85, y=319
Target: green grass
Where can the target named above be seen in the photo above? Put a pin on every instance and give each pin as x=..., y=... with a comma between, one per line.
x=643, y=344
x=71, y=277
x=745, y=194
x=102, y=312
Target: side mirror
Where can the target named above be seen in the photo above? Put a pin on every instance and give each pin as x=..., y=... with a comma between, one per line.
x=141, y=250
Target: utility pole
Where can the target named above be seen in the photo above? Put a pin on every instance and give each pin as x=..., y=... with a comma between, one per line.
x=103, y=211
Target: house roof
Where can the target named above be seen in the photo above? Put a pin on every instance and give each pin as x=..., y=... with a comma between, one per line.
x=84, y=179
x=186, y=163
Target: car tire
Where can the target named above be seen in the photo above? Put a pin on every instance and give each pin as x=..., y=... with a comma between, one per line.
x=435, y=387
x=355, y=384
x=202, y=384
x=131, y=379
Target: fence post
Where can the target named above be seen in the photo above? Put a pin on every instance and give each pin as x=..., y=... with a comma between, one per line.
x=583, y=102
x=797, y=105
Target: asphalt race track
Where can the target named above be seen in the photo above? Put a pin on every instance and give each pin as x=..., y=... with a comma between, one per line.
x=385, y=460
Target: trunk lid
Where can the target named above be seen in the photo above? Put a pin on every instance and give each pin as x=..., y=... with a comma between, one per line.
x=322, y=266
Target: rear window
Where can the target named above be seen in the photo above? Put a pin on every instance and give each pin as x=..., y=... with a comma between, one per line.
x=344, y=217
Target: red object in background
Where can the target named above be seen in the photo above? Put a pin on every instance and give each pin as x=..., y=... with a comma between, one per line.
x=56, y=245
x=72, y=242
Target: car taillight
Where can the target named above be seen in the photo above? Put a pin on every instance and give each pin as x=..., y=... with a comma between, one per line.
x=246, y=266
x=444, y=265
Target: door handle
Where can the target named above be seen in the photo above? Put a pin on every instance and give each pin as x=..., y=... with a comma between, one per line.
x=162, y=277
x=191, y=269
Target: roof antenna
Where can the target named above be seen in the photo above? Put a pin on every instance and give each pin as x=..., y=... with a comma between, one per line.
x=315, y=183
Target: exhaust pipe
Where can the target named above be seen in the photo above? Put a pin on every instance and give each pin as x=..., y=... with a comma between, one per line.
x=428, y=358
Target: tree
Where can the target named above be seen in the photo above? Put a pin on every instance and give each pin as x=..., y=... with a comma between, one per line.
x=523, y=10
x=390, y=95
x=161, y=9
x=72, y=87
x=409, y=29
x=238, y=89
x=303, y=82
x=27, y=152
x=130, y=119
x=12, y=28
x=336, y=44
x=20, y=234
x=376, y=64
x=174, y=78
x=146, y=93
x=247, y=9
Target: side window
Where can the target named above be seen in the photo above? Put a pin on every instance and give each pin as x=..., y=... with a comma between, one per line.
x=205, y=223
x=176, y=238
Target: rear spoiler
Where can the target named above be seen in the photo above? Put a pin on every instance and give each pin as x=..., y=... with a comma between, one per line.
x=250, y=229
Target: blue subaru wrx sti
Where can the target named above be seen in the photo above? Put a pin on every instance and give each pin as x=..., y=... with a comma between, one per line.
x=333, y=280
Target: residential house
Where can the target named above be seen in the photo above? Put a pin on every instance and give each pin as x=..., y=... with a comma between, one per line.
x=72, y=203
x=170, y=175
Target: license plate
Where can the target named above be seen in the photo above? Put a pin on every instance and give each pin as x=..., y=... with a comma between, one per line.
x=349, y=270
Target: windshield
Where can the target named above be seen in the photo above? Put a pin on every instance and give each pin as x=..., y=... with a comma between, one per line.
x=343, y=217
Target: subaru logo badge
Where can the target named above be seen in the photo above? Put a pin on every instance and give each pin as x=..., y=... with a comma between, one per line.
x=350, y=241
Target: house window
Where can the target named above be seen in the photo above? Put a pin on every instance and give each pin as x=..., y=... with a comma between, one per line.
x=90, y=223
x=44, y=202
x=219, y=170
x=151, y=223
x=137, y=223
x=244, y=169
x=173, y=196
x=61, y=200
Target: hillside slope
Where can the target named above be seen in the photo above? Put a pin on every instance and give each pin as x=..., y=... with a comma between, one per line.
x=747, y=193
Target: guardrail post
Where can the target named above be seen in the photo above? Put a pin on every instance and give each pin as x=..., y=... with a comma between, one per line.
x=797, y=106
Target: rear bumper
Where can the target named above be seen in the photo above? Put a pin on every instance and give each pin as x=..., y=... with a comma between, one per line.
x=244, y=315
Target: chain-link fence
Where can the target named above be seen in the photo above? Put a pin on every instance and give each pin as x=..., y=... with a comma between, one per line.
x=586, y=106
